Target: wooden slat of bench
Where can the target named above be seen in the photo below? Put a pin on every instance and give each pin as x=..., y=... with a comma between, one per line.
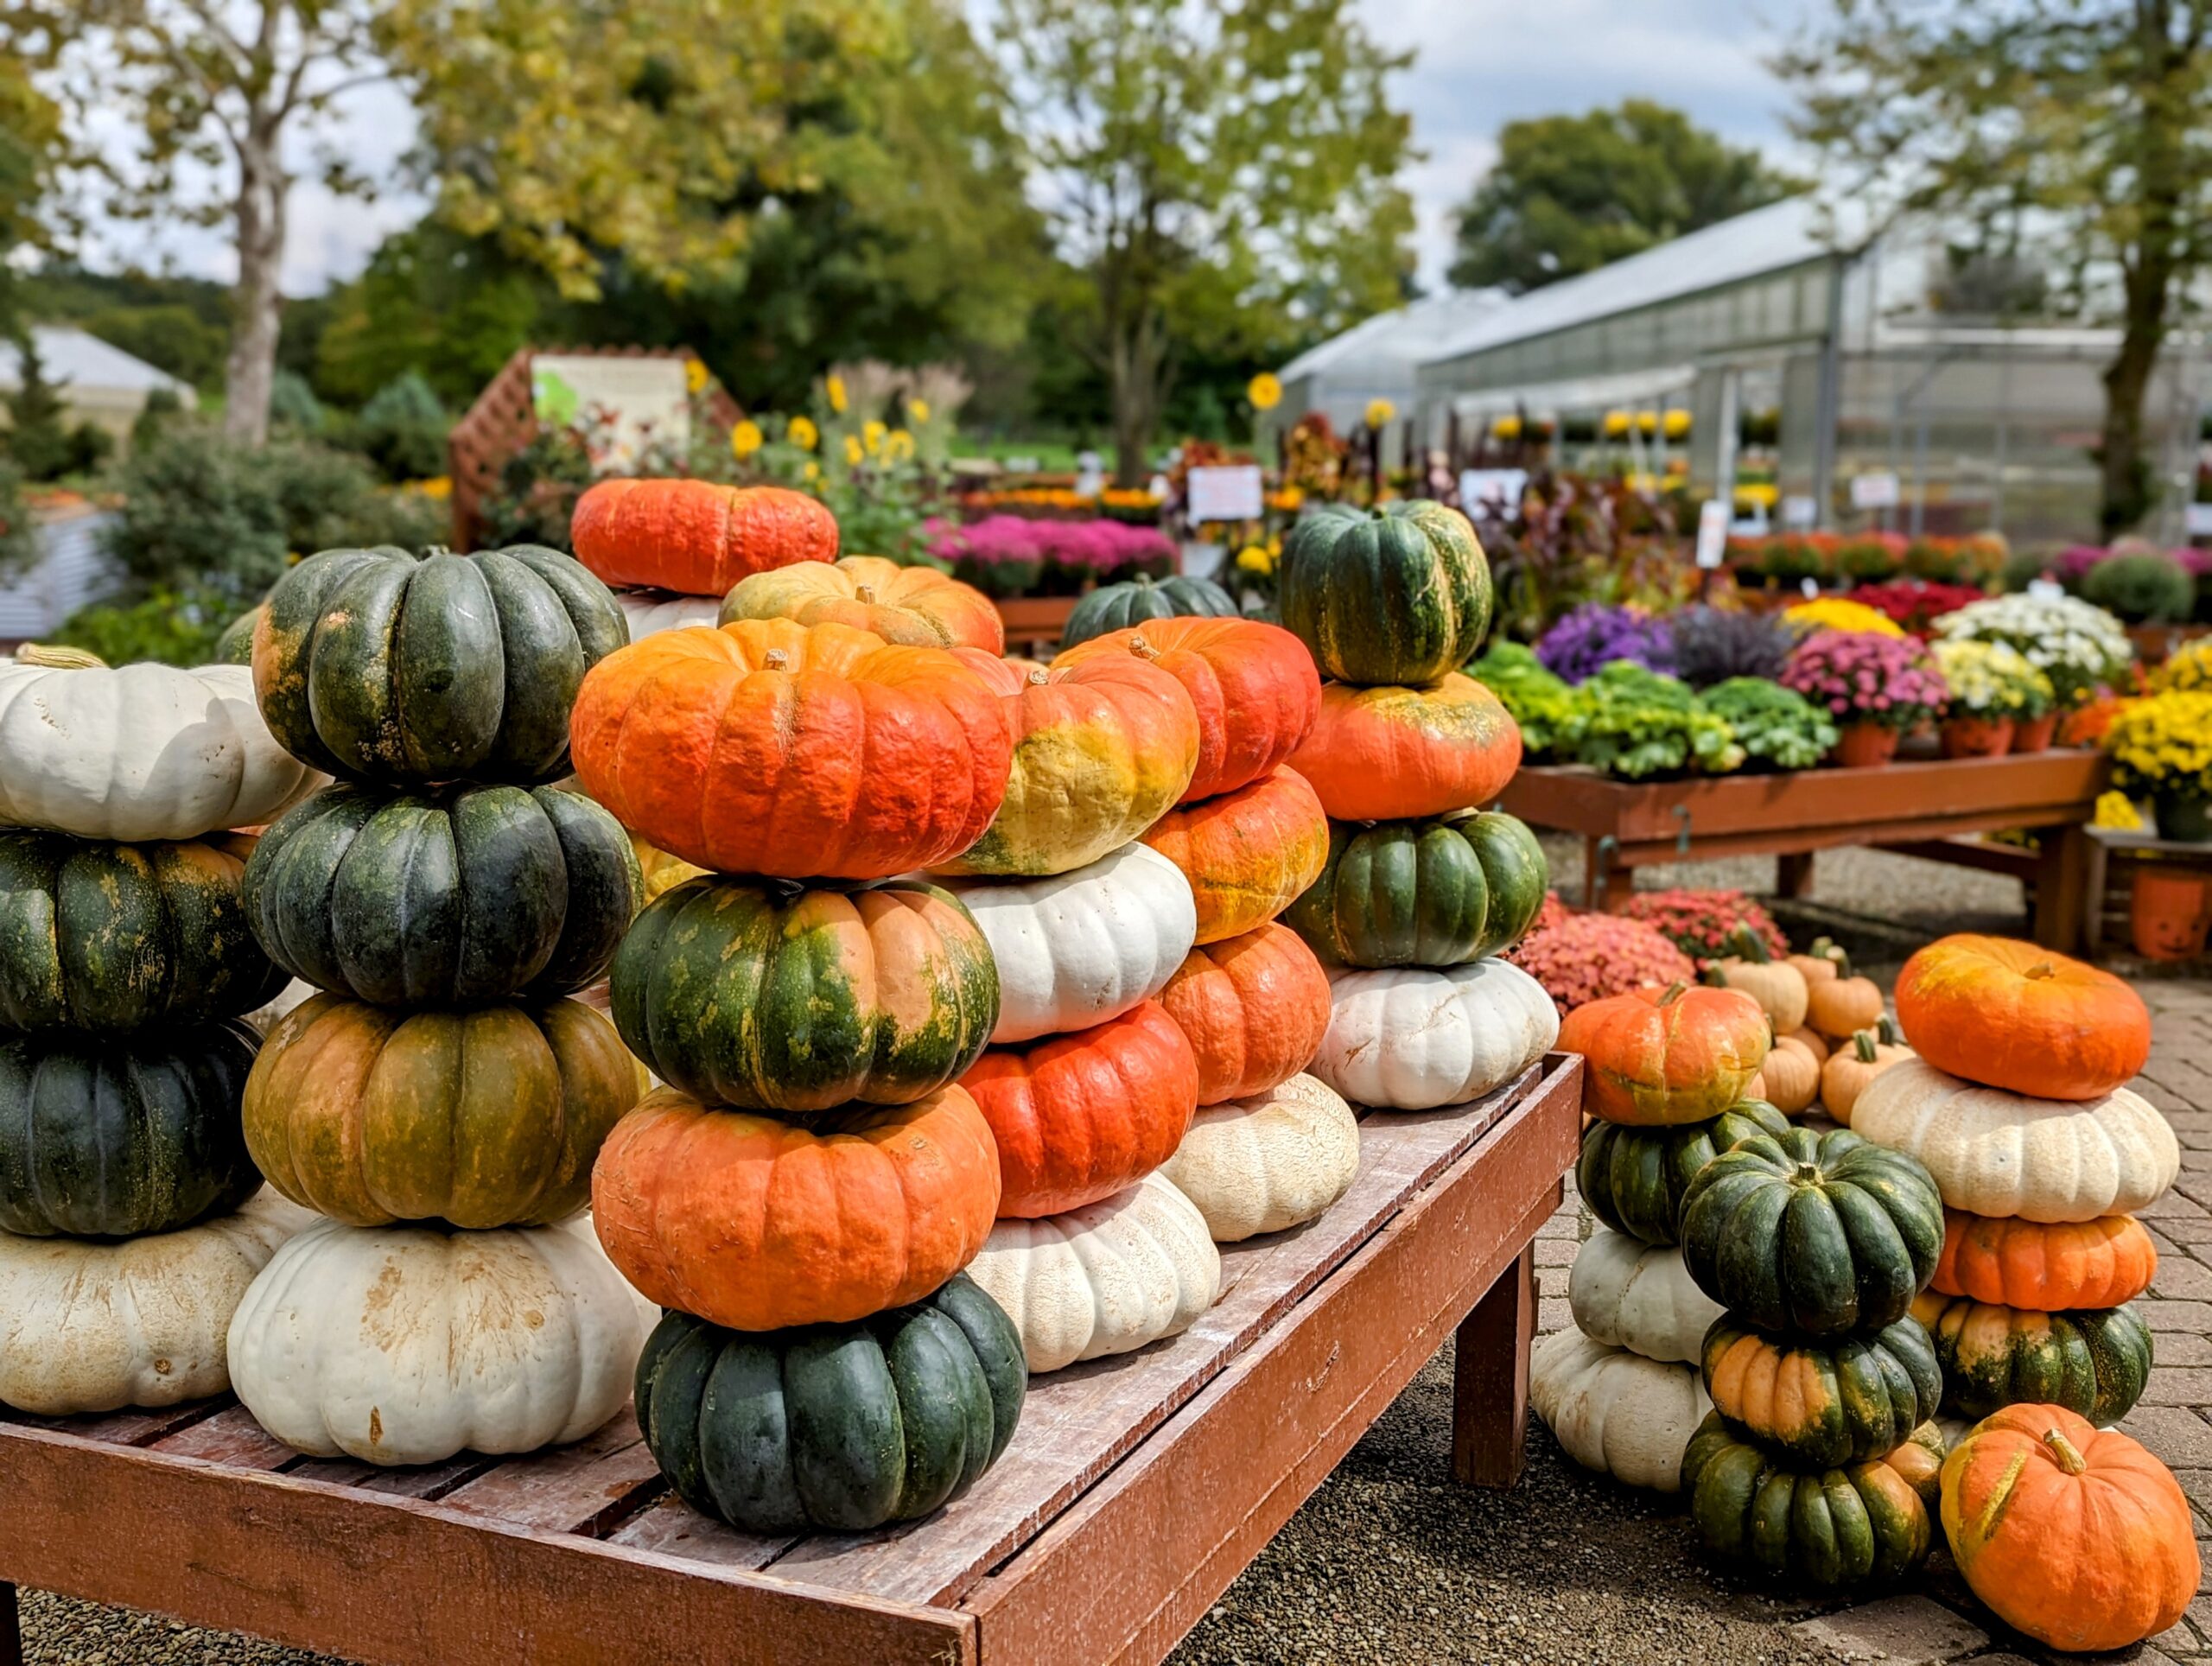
x=672, y=1527
x=427, y=1481
x=130, y=1427
x=231, y=1437
x=588, y=1488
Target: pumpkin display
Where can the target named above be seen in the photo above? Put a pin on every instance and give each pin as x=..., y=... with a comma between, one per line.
x=755, y=1225
x=1437, y=892
x=845, y=1427
x=697, y=537
x=137, y=753
x=372, y=663
x=1856, y=1061
x=1821, y=1403
x=1635, y=1179
x=1639, y=1296
x=1387, y=754
x=1269, y=1162
x=1812, y=1041
x=448, y=897
x=1397, y=593
x=1254, y=1009
x=123, y=937
x=769, y=747
x=1663, y=1055
x=1252, y=686
x=919, y=607
x=2094, y=1363
x=407, y=1344
x=92, y=1327
x=1817, y=1233
x=1859, y=1524
x=1079, y=1117
x=1844, y=1004
x=1778, y=986
x=107, y=1139
x=1616, y=1412
x=1248, y=854
x=1821, y=962
x=652, y=611
x=1141, y=599
x=1075, y=948
x=2011, y=1014
x=769, y=997
x=1791, y=1074
x=1414, y=1038
x=661, y=872
x=2076, y=1537
x=1999, y=1154
x=484, y=1118
x=1104, y=1279
x=2047, y=1266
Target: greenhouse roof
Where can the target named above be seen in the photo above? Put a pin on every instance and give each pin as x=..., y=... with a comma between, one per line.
x=72, y=358
x=1404, y=337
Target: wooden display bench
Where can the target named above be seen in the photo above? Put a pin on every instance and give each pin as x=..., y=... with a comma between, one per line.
x=1034, y=625
x=1134, y=1490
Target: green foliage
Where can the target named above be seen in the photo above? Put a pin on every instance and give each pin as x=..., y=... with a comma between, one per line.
x=293, y=406
x=402, y=428
x=1635, y=723
x=18, y=537
x=1777, y=726
x=162, y=406
x=165, y=625
x=36, y=438
x=179, y=325
x=2144, y=586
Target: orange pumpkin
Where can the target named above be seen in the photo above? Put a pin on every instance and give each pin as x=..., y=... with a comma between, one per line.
x=1248, y=855
x=1078, y=1117
x=1842, y=1005
x=1253, y=687
x=1856, y=1061
x=1254, y=1008
x=768, y=748
x=756, y=1225
x=2082, y=1539
x=2049, y=1266
x=918, y=606
x=2010, y=1014
x=1790, y=1077
x=694, y=537
x=1665, y=1056
x=1376, y=754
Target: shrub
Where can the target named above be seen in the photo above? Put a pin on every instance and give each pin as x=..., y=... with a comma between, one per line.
x=177, y=630
x=292, y=404
x=18, y=535
x=402, y=428
x=2142, y=587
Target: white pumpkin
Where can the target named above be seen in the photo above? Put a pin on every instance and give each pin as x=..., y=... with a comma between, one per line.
x=1103, y=1279
x=1082, y=947
x=1270, y=1163
x=1616, y=1412
x=140, y=752
x=2000, y=1153
x=1413, y=1038
x=407, y=1344
x=650, y=611
x=94, y=1328
x=1638, y=1296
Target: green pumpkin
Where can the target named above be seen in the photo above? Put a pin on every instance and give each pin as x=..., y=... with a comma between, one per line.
x=2095, y=1363
x=1819, y=1528
x=1817, y=1233
x=451, y=898
x=1634, y=1178
x=411, y=673
x=1117, y=606
x=770, y=997
x=1397, y=594
x=102, y=1139
x=1820, y=1403
x=122, y=938
x=235, y=646
x=1436, y=893
x=846, y=1427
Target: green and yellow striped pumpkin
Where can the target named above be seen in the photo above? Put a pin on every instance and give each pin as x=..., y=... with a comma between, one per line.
x=1823, y=1402
x=1437, y=892
x=1401, y=594
x=2094, y=1363
x=1634, y=1178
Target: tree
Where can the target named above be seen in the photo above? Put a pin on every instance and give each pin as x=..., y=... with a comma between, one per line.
x=38, y=436
x=1223, y=175
x=2088, y=118
x=1570, y=194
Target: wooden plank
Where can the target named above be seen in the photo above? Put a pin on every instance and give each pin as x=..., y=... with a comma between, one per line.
x=1489, y=1376
x=131, y=1427
x=588, y=1488
x=672, y=1527
x=231, y=1437
x=1824, y=837
x=421, y=1481
x=2012, y=861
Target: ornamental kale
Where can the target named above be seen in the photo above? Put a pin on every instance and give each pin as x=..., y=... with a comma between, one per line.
x=1775, y=726
x=1711, y=644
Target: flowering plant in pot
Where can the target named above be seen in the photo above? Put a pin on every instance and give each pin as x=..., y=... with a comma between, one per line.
x=1876, y=687
x=2081, y=648
x=1597, y=634
x=2000, y=701
x=2161, y=747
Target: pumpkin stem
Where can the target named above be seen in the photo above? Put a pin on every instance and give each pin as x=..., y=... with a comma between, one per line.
x=779, y=659
x=1829, y=950
x=2070, y=1457
x=1862, y=1043
x=1143, y=649
x=1887, y=1030
x=1716, y=976
x=1749, y=945
x=1809, y=1173
x=1038, y=677
x=2041, y=968
x=1674, y=992
x=865, y=594
x=53, y=656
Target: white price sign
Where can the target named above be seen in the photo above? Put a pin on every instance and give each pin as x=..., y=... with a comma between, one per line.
x=1711, y=533
x=1491, y=493
x=632, y=403
x=1879, y=490
x=1223, y=494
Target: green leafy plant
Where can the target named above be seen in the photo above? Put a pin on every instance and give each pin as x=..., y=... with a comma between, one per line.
x=2144, y=586
x=402, y=429
x=176, y=629
x=1541, y=703
x=1773, y=725
x=1633, y=723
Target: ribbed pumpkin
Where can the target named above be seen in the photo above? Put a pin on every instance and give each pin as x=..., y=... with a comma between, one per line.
x=2095, y=1364
x=770, y=997
x=661, y=872
x=120, y=938
x=1614, y=1411
x=1434, y=892
x=1414, y=1038
x=371, y=662
x=1634, y=1178
x=2049, y=1267
x=1778, y=986
x=441, y=898
x=1248, y=854
x=2011, y=1014
x=1270, y=1163
x=1389, y=752
x=1139, y=600
x=768, y=748
x=695, y=537
x=1254, y=1009
x=1398, y=594
x=1078, y=1117
x=1252, y=685
x=918, y=606
x=482, y=1119
x=1847, y=1072
x=1665, y=1056
x=756, y=1225
x=844, y=1427
x=1821, y=1403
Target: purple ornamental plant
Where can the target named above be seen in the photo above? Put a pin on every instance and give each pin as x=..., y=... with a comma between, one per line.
x=1864, y=677
x=1596, y=634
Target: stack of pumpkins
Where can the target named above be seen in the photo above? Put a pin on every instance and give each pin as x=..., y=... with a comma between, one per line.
x=442, y=1101
x=1831, y=1035
x=129, y=1226
x=672, y=548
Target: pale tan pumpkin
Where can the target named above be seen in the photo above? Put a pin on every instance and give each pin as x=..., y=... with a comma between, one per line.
x=1792, y=1075
x=1813, y=1042
x=1779, y=987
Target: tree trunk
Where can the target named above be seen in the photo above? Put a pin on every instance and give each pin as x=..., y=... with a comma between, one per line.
x=1137, y=376
x=256, y=304
x=2127, y=495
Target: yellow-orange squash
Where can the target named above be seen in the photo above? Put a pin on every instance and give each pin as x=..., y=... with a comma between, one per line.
x=1254, y=1008
x=1381, y=754
x=1856, y=1062
x=694, y=537
x=918, y=606
x=2052, y=1267
x=2010, y=1014
x=1791, y=1075
x=1843, y=1005
x=1248, y=855
x=1661, y=1056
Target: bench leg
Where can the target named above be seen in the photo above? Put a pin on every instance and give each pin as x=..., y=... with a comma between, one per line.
x=2061, y=888
x=1793, y=875
x=1490, y=1387
x=11, y=1633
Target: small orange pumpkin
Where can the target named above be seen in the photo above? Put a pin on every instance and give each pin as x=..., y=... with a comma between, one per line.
x=1853, y=1065
x=2011, y=1014
x=694, y=537
x=1248, y=855
x=1254, y=1008
x=1777, y=986
x=1812, y=1041
x=1792, y=1076
x=1383, y=754
x=2052, y=1268
x=1664, y=1056
x=1819, y=964
x=918, y=606
x=1843, y=1005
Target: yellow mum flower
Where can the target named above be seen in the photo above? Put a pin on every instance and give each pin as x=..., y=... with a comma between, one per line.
x=801, y=432
x=695, y=375
x=812, y=471
x=1264, y=391
x=1380, y=411
x=872, y=436
x=745, y=439
x=1836, y=613
x=899, y=444
x=853, y=450
x=918, y=409
x=1253, y=559
x=835, y=388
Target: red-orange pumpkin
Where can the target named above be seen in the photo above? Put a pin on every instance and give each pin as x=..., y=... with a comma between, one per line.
x=2010, y=1014
x=694, y=537
x=769, y=747
x=1666, y=1056
x=1376, y=754
x=1078, y=1117
x=918, y=606
x=2049, y=1267
x=1248, y=855
x=1254, y=1008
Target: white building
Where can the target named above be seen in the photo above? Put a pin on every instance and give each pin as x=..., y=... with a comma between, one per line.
x=96, y=382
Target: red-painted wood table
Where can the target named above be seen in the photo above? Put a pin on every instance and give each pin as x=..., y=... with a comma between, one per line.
x=1134, y=1490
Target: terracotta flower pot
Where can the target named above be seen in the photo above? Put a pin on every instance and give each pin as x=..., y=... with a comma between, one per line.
x=2182, y=816
x=1865, y=746
x=2035, y=733
x=2170, y=915
x=1977, y=737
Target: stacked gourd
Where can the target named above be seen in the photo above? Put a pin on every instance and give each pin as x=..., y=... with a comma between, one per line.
x=672, y=548
x=129, y=1226
x=1415, y=893
x=440, y=1101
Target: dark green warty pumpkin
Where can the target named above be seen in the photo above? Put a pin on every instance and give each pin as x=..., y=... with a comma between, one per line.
x=1397, y=594
x=451, y=898
x=1817, y=1402
x=1635, y=1179
x=1437, y=892
x=2095, y=1362
x=1117, y=606
x=846, y=1427
x=102, y=1139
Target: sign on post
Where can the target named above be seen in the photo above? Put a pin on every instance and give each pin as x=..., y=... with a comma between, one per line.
x=1876, y=490
x=1223, y=494
x=1491, y=494
x=635, y=402
x=1711, y=533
